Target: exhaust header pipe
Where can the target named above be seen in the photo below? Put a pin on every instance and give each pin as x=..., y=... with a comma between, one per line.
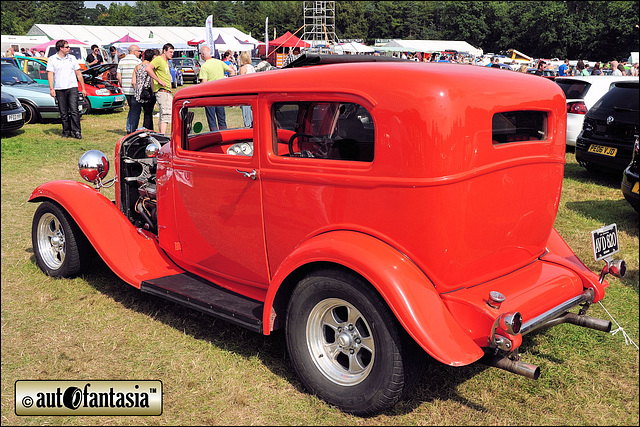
x=516, y=367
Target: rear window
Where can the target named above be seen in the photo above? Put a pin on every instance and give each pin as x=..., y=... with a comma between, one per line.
x=515, y=126
x=622, y=96
x=574, y=89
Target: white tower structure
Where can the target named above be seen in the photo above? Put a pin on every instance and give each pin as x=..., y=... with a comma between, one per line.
x=319, y=23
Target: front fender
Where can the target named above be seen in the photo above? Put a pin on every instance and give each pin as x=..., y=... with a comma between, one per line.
x=406, y=289
x=133, y=255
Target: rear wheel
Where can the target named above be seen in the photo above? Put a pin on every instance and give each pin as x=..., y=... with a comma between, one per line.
x=345, y=344
x=60, y=248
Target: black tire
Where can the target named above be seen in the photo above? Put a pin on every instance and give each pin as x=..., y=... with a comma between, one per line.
x=346, y=346
x=60, y=247
x=31, y=114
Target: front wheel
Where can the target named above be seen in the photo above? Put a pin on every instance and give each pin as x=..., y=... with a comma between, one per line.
x=31, y=114
x=345, y=344
x=60, y=248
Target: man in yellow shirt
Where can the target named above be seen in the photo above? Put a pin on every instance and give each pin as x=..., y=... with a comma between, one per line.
x=158, y=70
x=214, y=69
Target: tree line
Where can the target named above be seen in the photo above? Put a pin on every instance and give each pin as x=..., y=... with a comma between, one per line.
x=593, y=30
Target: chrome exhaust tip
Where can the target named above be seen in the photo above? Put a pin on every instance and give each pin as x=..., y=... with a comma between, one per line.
x=514, y=366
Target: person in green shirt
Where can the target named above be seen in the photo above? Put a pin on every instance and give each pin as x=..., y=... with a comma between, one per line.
x=158, y=70
x=214, y=69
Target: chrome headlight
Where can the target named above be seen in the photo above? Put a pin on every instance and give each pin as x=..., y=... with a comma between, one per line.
x=93, y=166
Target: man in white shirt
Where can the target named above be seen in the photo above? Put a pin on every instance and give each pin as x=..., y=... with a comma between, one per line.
x=63, y=73
x=614, y=67
x=125, y=77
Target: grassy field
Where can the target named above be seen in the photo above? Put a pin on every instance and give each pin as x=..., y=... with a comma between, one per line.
x=97, y=327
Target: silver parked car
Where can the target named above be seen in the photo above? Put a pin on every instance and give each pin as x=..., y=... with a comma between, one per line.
x=34, y=97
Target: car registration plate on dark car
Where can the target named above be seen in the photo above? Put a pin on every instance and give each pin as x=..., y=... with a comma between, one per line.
x=605, y=241
x=600, y=149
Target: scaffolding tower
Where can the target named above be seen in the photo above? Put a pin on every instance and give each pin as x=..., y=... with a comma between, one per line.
x=319, y=23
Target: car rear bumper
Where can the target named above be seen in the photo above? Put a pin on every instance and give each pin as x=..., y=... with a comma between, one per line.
x=616, y=163
x=574, y=126
x=541, y=292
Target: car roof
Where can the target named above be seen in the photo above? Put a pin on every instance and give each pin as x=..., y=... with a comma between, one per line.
x=308, y=59
x=395, y=83
x=598, y=86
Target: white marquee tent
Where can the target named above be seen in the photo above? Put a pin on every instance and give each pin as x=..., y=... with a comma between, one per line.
x=353, y=47
x=105, y=35
x=431, y=46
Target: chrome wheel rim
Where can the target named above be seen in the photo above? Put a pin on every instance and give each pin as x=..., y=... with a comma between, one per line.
x=340, y=342
x=51, y=241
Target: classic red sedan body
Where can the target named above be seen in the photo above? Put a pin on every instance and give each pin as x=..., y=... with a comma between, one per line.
x=369, y=209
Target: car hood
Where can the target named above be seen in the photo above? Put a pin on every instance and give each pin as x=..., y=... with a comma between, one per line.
x=35, y=92
x=7, y=97
x=26, y=88
x=98, y=69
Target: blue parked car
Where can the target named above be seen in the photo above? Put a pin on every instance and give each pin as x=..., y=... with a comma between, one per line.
x=176, y=75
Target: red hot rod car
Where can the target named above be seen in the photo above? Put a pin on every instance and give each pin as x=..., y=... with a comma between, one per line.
x=370, y=222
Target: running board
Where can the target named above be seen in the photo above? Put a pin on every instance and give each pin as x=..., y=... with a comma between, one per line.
x=209, y=298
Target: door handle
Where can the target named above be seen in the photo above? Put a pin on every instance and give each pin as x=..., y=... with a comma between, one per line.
x=253, y=174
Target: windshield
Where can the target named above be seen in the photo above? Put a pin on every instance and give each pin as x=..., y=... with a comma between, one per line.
x=623, y=96
x=574, y=89
x=182, y=62
x=12, y=75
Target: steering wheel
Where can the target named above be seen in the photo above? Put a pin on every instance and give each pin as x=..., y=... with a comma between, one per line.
x=293, y=138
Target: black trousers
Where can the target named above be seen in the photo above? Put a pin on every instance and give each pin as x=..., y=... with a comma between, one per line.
x=69, y=113
x=147, y=107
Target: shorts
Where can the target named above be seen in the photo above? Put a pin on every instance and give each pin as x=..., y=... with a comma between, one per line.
x=165, y=101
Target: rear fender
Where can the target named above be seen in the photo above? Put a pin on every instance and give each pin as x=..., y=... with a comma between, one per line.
x=131, y=253
x=406, y=289
x=560, y=253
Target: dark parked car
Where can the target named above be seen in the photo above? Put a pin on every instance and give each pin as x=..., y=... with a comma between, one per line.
x=609, y=129
x=12, y=113
x=630, y=179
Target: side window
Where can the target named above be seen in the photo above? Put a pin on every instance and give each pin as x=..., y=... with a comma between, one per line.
x=36, y=70
x=218, y=129
x=324, y=130
x=75, y=51
x=514, y=126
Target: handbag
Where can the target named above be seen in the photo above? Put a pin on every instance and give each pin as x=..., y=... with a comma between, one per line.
x=143, y=89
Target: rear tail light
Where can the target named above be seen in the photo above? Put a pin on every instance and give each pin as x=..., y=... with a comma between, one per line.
x=577, y=107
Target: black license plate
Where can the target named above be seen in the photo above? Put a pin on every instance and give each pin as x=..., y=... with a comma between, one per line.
x=605, y=241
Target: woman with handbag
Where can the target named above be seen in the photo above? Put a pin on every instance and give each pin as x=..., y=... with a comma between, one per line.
x=144, y=92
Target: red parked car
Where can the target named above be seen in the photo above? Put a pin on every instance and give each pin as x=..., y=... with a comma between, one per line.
x=370, y=220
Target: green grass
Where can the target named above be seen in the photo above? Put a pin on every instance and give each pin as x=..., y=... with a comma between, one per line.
x=97, y=327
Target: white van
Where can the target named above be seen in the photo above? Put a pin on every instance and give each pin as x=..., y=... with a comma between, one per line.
x=80, y=51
